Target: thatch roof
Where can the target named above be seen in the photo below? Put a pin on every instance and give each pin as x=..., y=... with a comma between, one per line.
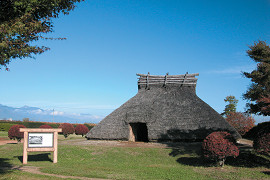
x=167, y=107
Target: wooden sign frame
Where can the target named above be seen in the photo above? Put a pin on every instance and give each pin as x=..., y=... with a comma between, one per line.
x=41, y=132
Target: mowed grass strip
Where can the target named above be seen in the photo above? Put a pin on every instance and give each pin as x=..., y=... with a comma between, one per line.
x=125, y=163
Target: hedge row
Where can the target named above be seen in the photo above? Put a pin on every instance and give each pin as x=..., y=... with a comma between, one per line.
x=5, y=125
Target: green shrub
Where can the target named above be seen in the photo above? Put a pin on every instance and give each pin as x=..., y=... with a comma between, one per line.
x=89, y=125
x=32, y=124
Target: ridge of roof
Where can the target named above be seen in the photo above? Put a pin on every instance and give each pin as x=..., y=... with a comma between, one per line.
x=182, y=79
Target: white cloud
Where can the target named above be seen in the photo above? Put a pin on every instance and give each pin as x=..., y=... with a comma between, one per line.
x=38, y=111
x=57, y=113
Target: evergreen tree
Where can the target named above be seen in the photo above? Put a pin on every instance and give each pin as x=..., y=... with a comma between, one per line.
x=259, y=91
x=231, y=107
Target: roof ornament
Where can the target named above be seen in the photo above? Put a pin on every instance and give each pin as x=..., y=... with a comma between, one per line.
x=165, y=79
x=184, y=79
x=146, y=80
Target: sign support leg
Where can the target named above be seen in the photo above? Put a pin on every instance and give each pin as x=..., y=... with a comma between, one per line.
x=55, y=137
x=25, y=147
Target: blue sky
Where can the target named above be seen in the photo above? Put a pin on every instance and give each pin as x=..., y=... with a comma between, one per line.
x=108, y=42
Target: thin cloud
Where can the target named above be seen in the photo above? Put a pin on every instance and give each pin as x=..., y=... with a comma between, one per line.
x=234, y=70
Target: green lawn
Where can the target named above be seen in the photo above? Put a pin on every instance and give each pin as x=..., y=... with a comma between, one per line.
x=181, y=162
x=3, y=134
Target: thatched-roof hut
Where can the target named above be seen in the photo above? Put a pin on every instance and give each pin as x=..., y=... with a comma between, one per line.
x=165, y=108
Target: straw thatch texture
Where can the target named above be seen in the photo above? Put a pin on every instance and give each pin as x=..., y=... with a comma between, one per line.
x=171, y=112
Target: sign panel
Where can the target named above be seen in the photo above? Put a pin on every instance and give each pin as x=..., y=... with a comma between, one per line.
x=40, y=140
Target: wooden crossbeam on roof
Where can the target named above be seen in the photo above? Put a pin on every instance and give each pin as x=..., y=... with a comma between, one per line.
x=184, y=79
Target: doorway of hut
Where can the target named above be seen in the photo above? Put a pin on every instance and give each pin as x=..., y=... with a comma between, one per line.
x=138, y=132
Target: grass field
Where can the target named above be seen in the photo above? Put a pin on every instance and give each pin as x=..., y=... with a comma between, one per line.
x=180, y=162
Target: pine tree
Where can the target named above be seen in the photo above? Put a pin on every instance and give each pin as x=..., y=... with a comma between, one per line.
x=231, y=107
x=259, y=91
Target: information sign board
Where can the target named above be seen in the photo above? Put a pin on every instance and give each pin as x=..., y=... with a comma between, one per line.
x=40, y=140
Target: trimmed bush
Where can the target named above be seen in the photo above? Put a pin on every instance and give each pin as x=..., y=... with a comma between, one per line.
x=67, y=129
x=218, y=146
x=45, y=126
x=262, y=143
x=258, y=130
x=14, y=132
x=81, y=129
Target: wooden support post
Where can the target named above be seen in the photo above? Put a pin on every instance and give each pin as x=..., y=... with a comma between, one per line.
x=165, y=79
x=147, y=81
x=55, y=144
x=25, y=142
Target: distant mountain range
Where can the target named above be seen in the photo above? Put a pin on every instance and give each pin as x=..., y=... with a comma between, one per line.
x=38, y=114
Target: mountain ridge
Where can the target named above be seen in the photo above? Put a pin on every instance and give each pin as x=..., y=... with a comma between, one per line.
x=38, y=114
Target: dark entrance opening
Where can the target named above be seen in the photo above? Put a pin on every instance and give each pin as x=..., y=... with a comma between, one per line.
x=138, y=132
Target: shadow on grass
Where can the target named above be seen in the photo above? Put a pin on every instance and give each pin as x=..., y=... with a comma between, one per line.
x=190, y=154
x=266, y=172
x=248, y=159
x=5, y=166
x=36, y=157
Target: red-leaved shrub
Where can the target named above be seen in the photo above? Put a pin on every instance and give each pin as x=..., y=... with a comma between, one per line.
x=45, y=126
x=67, y=129
x=81, y=129
x=14, y=132
x=218, y=146
x=262, y=143
x=241, y=122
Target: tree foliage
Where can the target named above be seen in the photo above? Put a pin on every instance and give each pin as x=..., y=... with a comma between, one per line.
x=218, y=146
x=81, y=129
x=262, y=143
x=231, y=107
x=14, y=132
x=265, y=100
x=67, y=129
x=259, y=91
x=241, y=122
x=24, y=22
x=258, y=130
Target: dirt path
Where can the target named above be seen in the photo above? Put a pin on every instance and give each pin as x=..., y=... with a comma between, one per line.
x=85, y=142
x=4, y=141
x=36, y=170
